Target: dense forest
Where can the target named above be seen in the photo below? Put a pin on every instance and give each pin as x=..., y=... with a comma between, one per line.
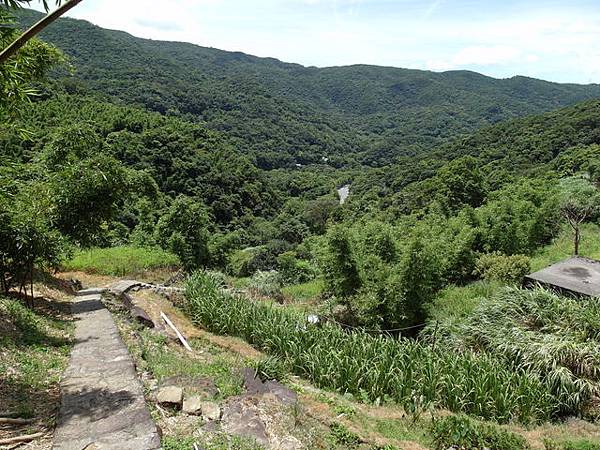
x=284, y=114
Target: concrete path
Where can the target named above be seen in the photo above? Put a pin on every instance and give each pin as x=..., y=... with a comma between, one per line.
x=102, y=402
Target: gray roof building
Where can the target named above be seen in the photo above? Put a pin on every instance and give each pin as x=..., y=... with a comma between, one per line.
x=576, y=275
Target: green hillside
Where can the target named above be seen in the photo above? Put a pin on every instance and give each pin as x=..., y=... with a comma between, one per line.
x=559, y=142
x=285, y=113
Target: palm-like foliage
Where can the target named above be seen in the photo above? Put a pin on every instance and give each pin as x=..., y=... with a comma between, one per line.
x=22, y=3
x=557, y=338
x=375, y=367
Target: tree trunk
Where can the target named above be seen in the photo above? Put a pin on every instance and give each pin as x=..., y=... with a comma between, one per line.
x=31, y=285
x=576, y=241
x=14, y=47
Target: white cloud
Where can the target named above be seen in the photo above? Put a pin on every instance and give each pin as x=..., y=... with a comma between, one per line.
x=432, y=8
x=482, y=55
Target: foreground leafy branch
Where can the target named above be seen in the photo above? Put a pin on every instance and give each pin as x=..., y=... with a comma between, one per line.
x=36, y=28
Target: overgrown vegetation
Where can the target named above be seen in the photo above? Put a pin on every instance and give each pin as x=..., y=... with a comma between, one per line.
x=34, y=349
x=556, y=338
x=120, y=261
x=370, y=367
x=465, y=433
x=162, y=362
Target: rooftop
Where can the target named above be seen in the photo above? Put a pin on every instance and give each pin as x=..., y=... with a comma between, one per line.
x=577, y=275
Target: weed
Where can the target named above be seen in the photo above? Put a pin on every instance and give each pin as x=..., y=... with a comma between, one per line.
x=34, y=351
x=271, y=368
x=464, y=432
x=571, y=445
x=340, y=435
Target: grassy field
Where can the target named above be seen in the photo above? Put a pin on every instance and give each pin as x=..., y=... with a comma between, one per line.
x=304, y=291
x=562, y=247
x=120, y=261
x=456, y=302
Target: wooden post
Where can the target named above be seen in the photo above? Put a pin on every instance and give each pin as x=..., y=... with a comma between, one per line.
x=179, y=335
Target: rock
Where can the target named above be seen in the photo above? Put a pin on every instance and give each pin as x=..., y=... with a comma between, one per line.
x=210, y=410
x=209, y=427
x=254, y=386
x=192, y=405
x=170, y=395
x=142, y=317
x=252, y=383
x=284, y=394
x=75, y=284
x=289, y=443
x=242, y=418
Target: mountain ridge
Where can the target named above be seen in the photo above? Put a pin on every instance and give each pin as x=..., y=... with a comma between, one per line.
x=285, y=113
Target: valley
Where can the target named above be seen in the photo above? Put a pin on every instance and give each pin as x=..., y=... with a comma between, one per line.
x=342, y=248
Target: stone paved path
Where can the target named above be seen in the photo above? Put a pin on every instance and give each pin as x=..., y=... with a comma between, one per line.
x=102, y=403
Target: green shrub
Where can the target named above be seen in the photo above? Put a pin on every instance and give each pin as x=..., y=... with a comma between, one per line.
x=467, y=434
x=504, y=268
x=267, y=284
x=120, y=261
x=184, y=231
x=271, y=368
x=294, y=270
x=246, y=262
x=374, y=367
x=342, y=436
x=238, y=262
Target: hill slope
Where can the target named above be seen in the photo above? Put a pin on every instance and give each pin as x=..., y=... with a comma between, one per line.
x=560, y=142
x=286, y=113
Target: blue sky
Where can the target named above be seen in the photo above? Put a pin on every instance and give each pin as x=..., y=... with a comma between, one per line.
x=550, y=39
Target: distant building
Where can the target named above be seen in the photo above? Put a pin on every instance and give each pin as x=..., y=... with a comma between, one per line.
x=576, y=275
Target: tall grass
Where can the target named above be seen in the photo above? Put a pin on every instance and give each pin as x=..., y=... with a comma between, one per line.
x=554, y=337
x=305, y=291
x=460, y=301
x=120, y=261
x=407, y=372
x=562, y=247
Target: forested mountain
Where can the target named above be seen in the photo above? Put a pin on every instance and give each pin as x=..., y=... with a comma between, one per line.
x=282, y=114
x=536, y=145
